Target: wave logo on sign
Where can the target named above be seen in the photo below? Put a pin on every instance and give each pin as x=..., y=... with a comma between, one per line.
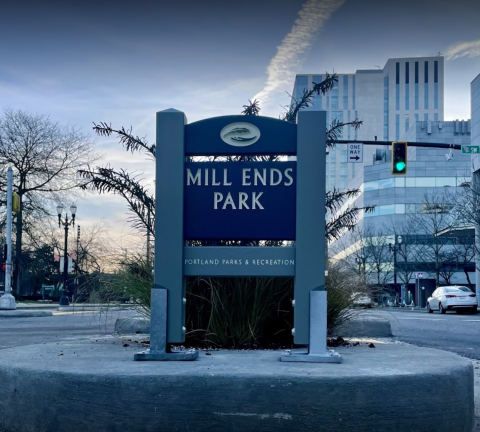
x=240, y=134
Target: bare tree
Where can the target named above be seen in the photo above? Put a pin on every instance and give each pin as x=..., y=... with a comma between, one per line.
x=433, y=219
x=45, y=158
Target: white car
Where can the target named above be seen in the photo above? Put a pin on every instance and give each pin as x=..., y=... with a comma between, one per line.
x=452, y=297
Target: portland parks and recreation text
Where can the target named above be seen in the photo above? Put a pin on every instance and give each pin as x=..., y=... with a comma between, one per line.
x=240, y=200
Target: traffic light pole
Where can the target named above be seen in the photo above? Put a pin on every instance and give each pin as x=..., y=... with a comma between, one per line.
x=410, y=144
x=7, y=301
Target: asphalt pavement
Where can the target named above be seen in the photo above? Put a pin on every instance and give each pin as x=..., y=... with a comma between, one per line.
x=62, y=326
x=457, y=333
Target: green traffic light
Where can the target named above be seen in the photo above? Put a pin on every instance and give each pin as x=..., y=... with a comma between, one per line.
x=400, y=166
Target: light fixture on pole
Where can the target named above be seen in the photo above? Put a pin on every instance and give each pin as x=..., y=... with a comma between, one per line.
x=66, y=223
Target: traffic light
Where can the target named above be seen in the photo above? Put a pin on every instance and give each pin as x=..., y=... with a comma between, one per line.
x=15, y=202
x=399, y=158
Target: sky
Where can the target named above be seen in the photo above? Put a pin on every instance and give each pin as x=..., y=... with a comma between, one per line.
x=120, y=62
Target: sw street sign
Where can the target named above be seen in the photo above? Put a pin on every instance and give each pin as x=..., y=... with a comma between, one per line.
x=470, y=149
x=355, y=153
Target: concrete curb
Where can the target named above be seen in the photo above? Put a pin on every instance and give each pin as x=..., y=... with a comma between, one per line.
x=131, y=326
x=24, y=313
x=85, y=386
x=365, y=326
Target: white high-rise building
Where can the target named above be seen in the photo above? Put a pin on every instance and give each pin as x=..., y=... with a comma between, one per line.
x=388, y=100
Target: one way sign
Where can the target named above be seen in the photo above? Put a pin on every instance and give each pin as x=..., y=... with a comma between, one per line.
x=355, y=153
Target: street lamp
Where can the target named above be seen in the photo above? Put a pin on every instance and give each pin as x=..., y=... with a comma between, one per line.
x=66, y=223
x=395, y=248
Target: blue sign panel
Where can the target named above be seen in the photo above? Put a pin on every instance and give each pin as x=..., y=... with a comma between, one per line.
x=239, y=200
x=240, y=134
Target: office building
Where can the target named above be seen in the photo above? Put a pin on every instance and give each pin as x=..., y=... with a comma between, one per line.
x=388, y=100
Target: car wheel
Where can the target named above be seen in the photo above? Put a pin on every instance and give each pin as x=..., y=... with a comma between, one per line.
x=429, y=309
x=441, y=309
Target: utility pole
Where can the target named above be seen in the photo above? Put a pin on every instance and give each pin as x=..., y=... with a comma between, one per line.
x=7, y=301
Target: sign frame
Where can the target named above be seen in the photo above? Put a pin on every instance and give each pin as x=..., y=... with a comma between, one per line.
x=176, y=141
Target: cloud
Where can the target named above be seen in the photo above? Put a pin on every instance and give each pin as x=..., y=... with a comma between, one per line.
x=283, y=66
x=463, y=49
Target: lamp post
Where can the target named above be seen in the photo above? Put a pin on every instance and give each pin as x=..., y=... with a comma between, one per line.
x=395, y=248
x=66, y=223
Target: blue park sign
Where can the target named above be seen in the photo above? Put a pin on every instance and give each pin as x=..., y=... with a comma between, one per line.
x=239, y=200
x=210, y=199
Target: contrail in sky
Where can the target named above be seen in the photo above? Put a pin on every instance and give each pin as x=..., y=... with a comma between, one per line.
x=463, y=49
x=284, y=64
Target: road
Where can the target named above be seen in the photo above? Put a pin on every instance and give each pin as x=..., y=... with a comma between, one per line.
x=61, y=326
x=458, y=333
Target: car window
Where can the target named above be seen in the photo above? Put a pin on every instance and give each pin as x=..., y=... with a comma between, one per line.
x=451, y=290
x=465, y=289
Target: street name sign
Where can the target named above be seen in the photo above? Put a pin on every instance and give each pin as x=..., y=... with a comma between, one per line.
x=470, y=149
x=354, y=153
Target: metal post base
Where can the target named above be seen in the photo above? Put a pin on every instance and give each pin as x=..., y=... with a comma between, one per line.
x=164, y=356
x=158, y=333
x=7, y=301
x=64, y=301
x=330, y=357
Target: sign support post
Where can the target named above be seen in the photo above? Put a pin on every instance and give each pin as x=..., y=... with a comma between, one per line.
x=310, y=294
x=168, y=293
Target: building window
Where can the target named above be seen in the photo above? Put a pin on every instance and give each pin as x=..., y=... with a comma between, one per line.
x=397, y=86
x=435, y=71
x=407, y=85
x=407, y=123
x=435, y=116
x=407, y=96
x=353, y=92
x=417, y=117
x=356, y=130
x=348, y=128
x=416, y=96
x=435, y=95
x=425, y=117
x=425, y=102
x=302, y=84
x=345, y=92
x=385, y=108
x=338, y=115
x=334, y=96
x=317, y=99
x=397, y=127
